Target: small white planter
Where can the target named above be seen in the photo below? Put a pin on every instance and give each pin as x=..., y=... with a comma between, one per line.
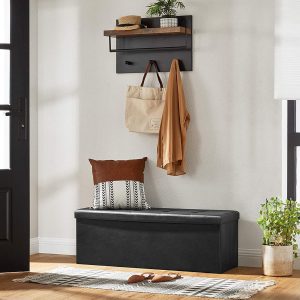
x=278, y=260
x=169, y=22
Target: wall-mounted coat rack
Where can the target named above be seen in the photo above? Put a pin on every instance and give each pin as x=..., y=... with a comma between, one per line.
x=136, y=47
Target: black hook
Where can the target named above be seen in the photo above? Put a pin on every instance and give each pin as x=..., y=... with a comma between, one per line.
x=130, y=63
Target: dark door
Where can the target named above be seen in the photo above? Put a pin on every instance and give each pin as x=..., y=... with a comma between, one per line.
x=14, y=138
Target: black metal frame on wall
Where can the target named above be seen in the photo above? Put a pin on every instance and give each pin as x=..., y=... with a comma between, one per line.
x=293, y=141
x=134, y=52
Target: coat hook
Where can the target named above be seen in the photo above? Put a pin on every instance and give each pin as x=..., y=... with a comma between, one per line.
x=154, y=62
x=128, y=62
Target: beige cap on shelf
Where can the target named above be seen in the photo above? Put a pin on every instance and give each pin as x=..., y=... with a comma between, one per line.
x=129, y=23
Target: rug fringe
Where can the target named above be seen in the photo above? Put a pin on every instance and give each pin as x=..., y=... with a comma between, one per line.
x=41, y=275
x=29, y=278
x=253, y=288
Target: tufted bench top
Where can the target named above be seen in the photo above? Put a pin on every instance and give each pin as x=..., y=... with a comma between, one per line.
x=161, y=215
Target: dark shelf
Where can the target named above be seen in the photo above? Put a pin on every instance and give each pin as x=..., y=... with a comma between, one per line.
x=135, y=48
x=148, y=32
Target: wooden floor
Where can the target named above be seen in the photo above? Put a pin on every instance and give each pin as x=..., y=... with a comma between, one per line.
x=287, y=288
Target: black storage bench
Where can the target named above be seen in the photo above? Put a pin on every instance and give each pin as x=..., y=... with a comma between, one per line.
x=173, y=239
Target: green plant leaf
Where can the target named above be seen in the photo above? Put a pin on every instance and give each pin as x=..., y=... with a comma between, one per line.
x=279, y=221
x=164, y=8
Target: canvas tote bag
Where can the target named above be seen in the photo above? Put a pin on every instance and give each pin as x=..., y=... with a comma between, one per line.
x=145, y=105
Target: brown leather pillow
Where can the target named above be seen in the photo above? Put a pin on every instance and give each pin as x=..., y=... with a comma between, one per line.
x=112, y=170
x=119, y=184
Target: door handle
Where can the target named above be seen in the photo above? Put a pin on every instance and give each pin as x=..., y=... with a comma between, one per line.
x=21, y=112
x=13, y=113
x=5, y=107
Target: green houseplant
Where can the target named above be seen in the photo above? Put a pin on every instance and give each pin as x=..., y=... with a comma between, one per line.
x=279, y=222
x=166, y=9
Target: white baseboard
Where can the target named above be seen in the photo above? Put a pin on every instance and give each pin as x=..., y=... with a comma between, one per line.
x=34, y=245
x=57, y=246
x=247, y=257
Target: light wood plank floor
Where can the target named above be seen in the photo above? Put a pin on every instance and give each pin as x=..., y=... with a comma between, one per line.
x=287, y=288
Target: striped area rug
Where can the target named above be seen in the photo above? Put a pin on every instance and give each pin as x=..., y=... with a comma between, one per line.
x=186, y=286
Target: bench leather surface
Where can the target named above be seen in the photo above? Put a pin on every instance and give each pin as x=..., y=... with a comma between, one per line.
x=161, y=215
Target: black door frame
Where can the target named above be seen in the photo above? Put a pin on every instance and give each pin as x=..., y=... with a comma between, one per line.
x=293, y=141
x=14, y=249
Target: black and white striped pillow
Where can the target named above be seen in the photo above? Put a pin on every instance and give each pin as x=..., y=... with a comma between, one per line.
x=123, y=194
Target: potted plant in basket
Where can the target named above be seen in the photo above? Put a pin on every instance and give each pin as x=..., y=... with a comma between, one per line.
x=279, y=222
x=166, y=9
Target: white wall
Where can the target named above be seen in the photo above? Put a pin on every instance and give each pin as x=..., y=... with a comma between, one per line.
x=234, y=140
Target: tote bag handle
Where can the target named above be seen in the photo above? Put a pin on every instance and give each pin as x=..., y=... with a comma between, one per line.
x=149, y=65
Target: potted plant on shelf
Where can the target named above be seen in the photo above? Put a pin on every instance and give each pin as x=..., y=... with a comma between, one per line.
x=166, y=9
x=279, y=222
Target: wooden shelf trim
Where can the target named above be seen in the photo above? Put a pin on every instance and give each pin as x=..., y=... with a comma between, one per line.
x=148, y=32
